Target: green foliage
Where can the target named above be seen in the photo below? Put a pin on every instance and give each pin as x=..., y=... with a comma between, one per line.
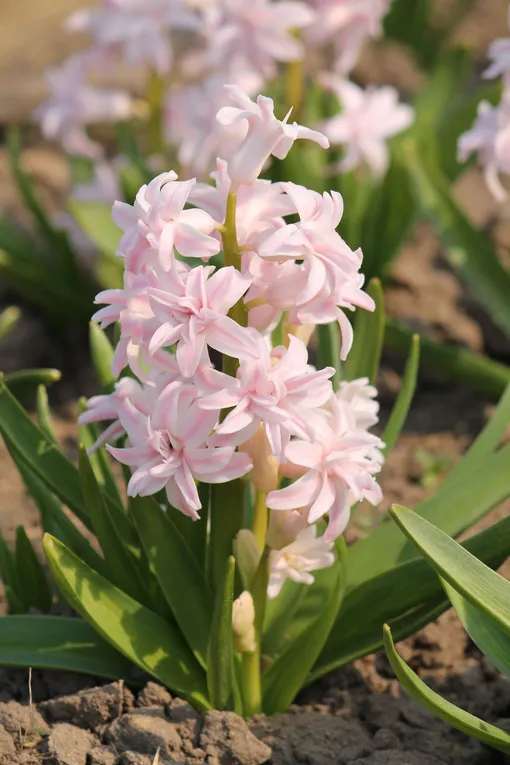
x=220, y=651
x=481, y=599
x=365, y=355
x=8, y=320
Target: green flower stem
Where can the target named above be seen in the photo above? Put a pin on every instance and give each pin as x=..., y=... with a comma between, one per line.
x=155, y=94
x=233, y=253
x=294, y=82
x=250, y=679
x=260, y=518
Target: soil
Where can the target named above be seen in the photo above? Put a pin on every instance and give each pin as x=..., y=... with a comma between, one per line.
x=359, y=714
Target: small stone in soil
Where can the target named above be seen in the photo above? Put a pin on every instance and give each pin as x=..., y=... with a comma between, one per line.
x=69, y=745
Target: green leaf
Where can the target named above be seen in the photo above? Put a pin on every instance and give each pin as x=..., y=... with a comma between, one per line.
x=280, y=612
x=468, y=249
x=289, y=672
x=102, y=356
x=31, y=576
x=138, y=633
x=120, y=563
x=53, y=518
x=56, y=241
x=402, y=405
x=180, y=577
x=95, y=219
x=445, y=710
x=328, y=352
x=41, y=454
x=10, y=579
x=43, y=412
x=25, y=382
x=486, y=632
x=365, y=355
x=409, y=24
x=58, y=642
x=8, y=320
x=417, y=598
x=453, y=361
x=220, y=654
x=481, y=586
x=391, y=212
x=457, y=504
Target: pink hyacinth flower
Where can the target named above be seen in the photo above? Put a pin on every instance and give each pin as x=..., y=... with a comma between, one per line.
x=265, y=134
x=168, y=450
x=337, y=470
x=305, y=554
x=194, y=315
x=279, y=395
x=367, y=120
x=158, y=219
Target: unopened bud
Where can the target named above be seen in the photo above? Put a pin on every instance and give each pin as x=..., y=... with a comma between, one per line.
x=243, y=623
x=264, y=473
x=284, y=527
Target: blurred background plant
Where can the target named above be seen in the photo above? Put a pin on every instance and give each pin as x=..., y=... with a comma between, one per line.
x=396, y=172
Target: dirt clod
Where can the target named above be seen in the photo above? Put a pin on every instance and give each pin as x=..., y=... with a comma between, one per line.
x=145, y=731
x=102, y=755
x=69, y=745
x=226, y=737
x=6, y=742
x=90, y=708
x=20, y=718
x=153, y=695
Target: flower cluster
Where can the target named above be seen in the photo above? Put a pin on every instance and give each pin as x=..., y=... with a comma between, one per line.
x=244, y=42
x=489, y=137
x=267, y=413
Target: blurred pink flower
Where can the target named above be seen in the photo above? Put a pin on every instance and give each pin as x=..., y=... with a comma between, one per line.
x=141, y=28
x=367, y=120
x=347, y=24
x=499, y=53
x=254, y=34
x=305, y=554
x=73, y=105
x=168, y=449
x=490, y=139
x=265, y=135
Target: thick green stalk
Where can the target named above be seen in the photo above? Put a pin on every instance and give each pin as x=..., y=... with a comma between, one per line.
x=260, y=518
x=250, y=679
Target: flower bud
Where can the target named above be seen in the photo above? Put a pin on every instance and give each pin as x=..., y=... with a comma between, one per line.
x=247, y=555
x=284, y=527
x=243, y=623
x=264, y=473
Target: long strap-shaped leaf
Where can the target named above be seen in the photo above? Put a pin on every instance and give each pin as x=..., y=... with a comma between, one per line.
x=180, y=577
x=407, y=597
x=445, y=710
x=477, y=583
x=41, y=454
x=138, y=633
x=220, y=651
x=58, y=642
